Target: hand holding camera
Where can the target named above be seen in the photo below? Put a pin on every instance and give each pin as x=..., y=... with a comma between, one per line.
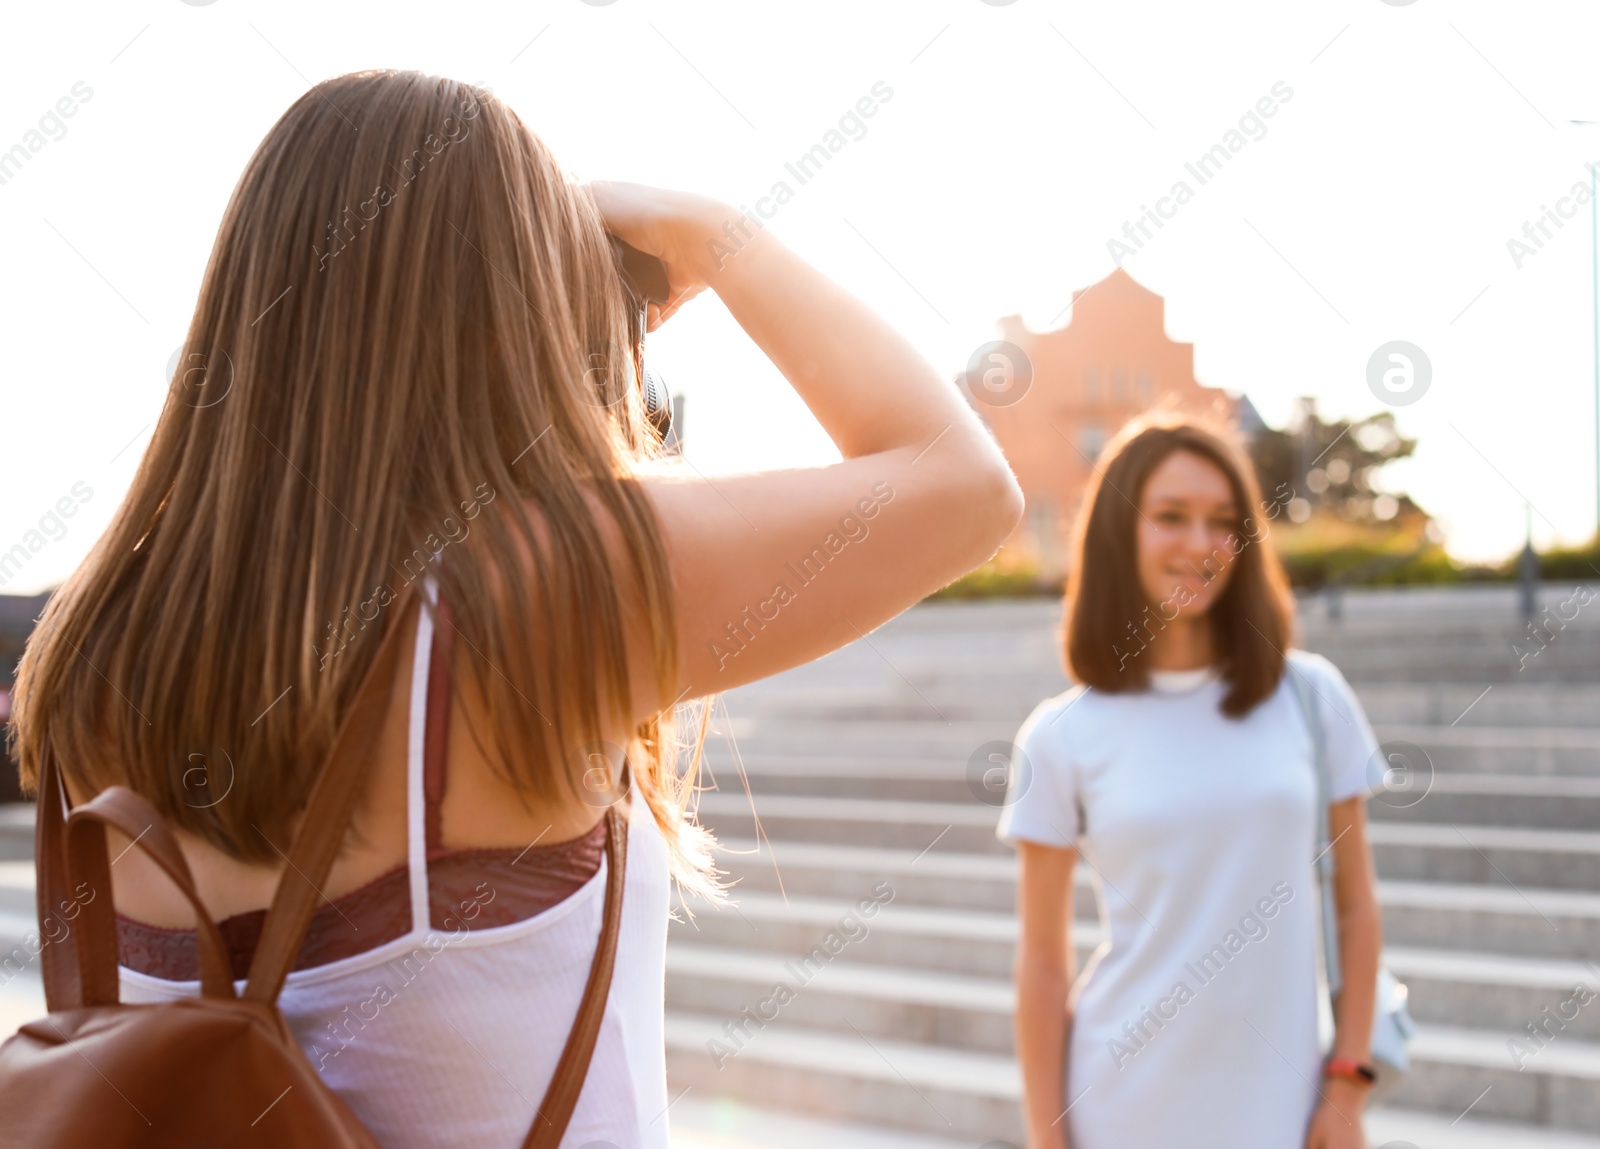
x=674, y=228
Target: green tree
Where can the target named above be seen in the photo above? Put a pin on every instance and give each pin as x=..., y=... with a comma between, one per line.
x=1335, y=466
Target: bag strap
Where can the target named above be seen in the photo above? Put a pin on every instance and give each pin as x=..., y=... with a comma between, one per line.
x=69, y=852
x=338, y=788
x=1324, y=856
x=59, y=956
x=555, y=1111
x=120, y=807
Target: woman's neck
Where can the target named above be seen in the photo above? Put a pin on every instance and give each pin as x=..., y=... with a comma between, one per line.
x=1185, y=644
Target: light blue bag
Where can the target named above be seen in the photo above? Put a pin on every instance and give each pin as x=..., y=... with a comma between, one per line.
x=1392, y=1026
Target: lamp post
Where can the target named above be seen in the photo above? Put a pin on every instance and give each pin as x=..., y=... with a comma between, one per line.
x=1528, y=569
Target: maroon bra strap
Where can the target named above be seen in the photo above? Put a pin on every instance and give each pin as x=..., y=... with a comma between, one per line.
x=436, y=739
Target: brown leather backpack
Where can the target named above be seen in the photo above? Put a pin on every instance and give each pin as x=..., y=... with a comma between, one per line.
x=219, y=1069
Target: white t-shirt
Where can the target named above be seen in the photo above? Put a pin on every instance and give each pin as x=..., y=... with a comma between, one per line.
x=1196, y=1022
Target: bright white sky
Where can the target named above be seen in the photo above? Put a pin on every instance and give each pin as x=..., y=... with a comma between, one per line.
x=1019, y=138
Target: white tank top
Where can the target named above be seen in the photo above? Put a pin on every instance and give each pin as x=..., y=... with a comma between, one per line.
x=443, y=1038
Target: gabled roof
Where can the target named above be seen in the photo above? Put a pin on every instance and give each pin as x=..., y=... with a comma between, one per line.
x=1118, y=284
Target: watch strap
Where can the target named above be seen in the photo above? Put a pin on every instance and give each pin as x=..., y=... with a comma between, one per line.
x=1350, y=1068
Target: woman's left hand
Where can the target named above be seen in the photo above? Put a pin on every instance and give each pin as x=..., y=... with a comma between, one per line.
x=1337, y=1121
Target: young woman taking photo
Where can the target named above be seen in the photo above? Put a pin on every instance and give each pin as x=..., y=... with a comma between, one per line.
x=1180, y=770
x=408, y=419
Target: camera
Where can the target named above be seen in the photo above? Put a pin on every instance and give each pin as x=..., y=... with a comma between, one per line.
x=644, y=280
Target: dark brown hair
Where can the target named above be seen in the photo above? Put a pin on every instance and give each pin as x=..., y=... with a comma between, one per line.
x=398, y=332
x=1108, y=619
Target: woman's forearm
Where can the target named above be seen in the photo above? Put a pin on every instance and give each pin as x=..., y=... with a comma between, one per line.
x=1043, y=1024
x=867, y=386
x=1360, y=943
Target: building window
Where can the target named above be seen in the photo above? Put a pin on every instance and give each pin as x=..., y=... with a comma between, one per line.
x=1091, y=438
x=1091, y=385
x=1119, y=385
x=1146, y=384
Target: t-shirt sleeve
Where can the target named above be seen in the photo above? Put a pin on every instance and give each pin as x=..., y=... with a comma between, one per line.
x=1355, y=765
x=1041, y=796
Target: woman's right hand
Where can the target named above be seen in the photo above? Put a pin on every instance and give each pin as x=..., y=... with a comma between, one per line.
x=678, y=228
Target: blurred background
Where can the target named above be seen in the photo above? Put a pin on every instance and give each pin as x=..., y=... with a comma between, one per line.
x=1410, y=179
x=1363, y=231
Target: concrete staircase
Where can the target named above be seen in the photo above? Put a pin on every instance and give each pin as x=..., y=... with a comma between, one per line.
x=874, y=889
x=864, y=770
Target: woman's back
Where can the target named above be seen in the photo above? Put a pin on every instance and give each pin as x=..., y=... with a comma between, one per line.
x=480, y=810
x=450, y=1032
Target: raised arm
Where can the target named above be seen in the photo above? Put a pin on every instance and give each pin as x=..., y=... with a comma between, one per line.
x=775, y=568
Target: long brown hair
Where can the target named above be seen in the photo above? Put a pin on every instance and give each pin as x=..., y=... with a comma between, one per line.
x=1107, y=616
x=411, y=331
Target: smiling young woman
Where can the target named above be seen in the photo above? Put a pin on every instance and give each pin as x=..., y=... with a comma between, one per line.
x=1180, y=768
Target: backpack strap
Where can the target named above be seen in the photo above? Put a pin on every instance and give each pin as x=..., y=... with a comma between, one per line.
x=1324, y=858
x=59, y=956
x=339, y=786
x=550, y=1123
x=80, y=967
x=122, y=808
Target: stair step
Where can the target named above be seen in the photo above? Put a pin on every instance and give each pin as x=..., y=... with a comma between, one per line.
x=1489, y=992
x=1488, y=855
x=923, y=690
x=847, y=1075
x=1498, y=992
x=1544, y=801
x=957, y=1011
x=1394, y=1128
x=965, y=827
x=948, y=940
x=1469, y=801
x=851, y=979
x=851, y=1075
x=1552, y=859
x=724, y=1123
x=1554, y=924
x=1559, y=1085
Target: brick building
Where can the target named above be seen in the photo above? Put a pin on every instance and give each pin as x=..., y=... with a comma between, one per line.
x=1111, y=361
